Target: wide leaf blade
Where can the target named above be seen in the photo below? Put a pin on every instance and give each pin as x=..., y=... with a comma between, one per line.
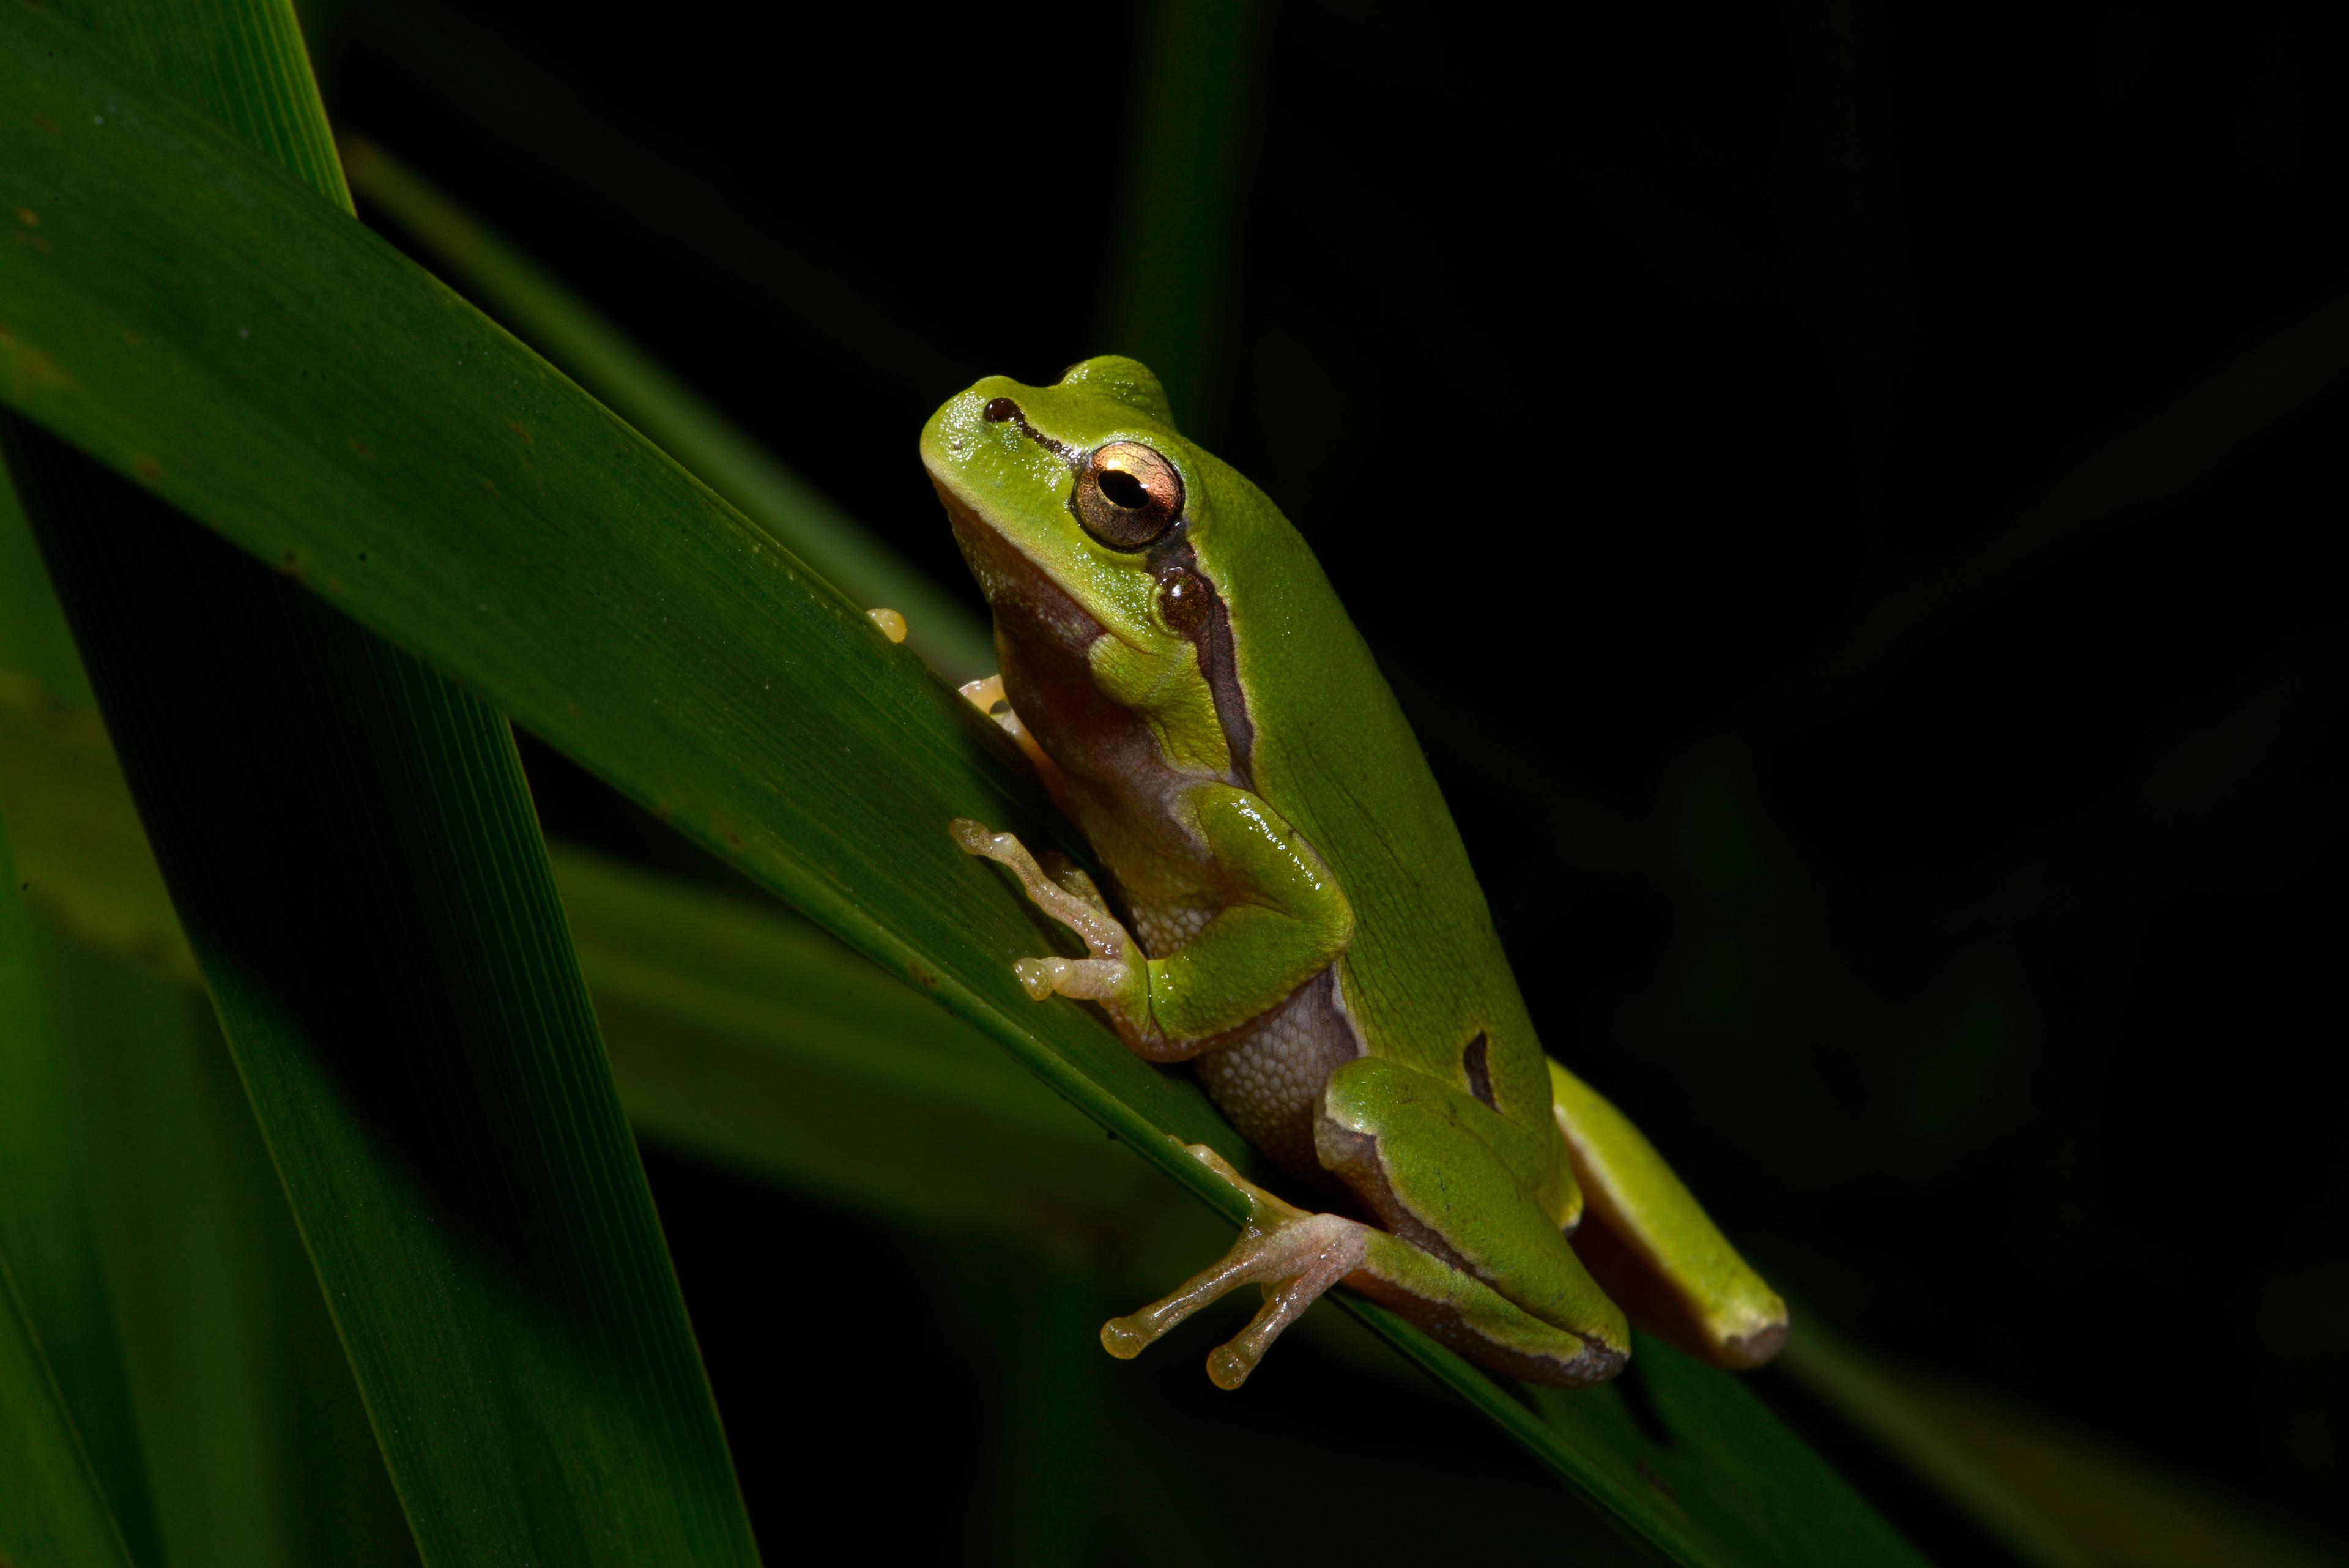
x=374, y=436
x=45, y=1229
x=525, y=297
x=352, y=852
x=257, y=1446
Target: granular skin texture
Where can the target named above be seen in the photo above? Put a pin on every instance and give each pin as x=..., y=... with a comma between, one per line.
x=1268, y=1077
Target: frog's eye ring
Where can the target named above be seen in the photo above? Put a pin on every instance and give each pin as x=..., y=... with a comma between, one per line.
x=1127, y=496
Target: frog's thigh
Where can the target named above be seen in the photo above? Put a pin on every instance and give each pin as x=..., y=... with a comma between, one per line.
x=1472, y=1317
x=1651, y=1244
x=1417, y=1152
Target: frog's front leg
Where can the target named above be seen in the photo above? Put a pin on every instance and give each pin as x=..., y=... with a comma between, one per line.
x=986, y=696
x=1285, y=922
x=1108, y=976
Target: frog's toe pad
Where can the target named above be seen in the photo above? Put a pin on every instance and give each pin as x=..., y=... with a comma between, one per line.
x=1039, y=975
x=974, y=837
x=1088, y=980
x=1295, y=1262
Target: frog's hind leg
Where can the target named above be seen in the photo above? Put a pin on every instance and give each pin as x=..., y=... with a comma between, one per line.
x=1651, y=1244
x=1296, y=1256
x=1457, y=1181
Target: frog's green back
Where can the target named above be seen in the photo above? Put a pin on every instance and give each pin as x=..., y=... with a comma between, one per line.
x=1333, y=753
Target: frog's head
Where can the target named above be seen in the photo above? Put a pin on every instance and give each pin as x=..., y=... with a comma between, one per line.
x=1080, y=509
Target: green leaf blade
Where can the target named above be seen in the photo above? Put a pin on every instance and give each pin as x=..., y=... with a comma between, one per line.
x=526, y=299
x=463, y=498
x=420, y=1053
x=56, y=1512
x=258, y=1449
x=46, y=1235
x=57, y=1507
x=350, y=846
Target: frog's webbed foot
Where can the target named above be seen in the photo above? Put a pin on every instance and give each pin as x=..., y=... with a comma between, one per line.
x=1294, y=1255
x=1069, y=896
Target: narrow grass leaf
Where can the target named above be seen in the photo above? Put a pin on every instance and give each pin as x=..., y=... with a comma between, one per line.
x=735, y=1031
x=56, y=1512
x=45, y=1230
x=525, y=298
x=83, y=861
x=350, y=847
x=53, y=1503
x=739, y=1033
x=428, y=475
x=456, y=58
x=369, y=904
x=257, y=1448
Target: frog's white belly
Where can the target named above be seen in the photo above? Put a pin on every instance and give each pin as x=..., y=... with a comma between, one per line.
x=1268, y=1075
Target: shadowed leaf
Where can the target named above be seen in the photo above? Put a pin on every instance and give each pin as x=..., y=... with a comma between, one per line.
x=53, y=1507
x=572, y=334
x=352, y=853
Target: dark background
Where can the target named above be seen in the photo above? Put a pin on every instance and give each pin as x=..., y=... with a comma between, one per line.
x=1851, y=497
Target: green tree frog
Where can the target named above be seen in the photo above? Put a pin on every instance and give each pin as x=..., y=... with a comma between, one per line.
x=1291, y=911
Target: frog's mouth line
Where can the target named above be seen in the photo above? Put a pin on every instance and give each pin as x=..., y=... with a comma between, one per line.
x=1017, y=587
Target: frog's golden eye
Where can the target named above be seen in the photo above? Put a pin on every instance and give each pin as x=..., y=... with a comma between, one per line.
x=1128, y=495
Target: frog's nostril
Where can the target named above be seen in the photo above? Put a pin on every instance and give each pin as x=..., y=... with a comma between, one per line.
x=999, y=410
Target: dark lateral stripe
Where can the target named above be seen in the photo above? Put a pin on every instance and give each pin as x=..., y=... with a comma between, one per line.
x=1218, y=659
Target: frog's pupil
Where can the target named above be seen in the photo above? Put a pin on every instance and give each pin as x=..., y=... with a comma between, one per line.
x=1122, y=488
x=999, y=410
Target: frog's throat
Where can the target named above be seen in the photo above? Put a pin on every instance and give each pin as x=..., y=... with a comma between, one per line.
x=1027, y=597
x=1021, y=592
